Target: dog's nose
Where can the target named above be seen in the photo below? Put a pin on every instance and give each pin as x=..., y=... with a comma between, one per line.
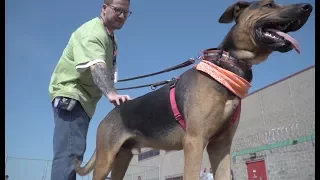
x=305, y=7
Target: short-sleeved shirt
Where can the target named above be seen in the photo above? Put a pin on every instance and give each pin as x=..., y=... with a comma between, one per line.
x=72, y=78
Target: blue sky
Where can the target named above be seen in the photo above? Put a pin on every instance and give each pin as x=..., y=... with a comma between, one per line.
x=159, y=34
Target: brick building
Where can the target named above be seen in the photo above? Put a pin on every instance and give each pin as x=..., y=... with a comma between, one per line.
x=275, y=137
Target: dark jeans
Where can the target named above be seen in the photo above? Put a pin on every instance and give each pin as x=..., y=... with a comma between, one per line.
x=69, y=139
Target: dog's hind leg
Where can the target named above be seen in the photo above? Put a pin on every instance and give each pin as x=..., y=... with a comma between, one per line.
x=107, y=156
x=121, y=164
x=103, y=164
x=111, y=136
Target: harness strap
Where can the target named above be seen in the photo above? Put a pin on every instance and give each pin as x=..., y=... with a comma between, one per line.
x=236, y=84
x=179, y=118
x=236, y=114
x=175, y=110
x=182, y=121
x=176, y=113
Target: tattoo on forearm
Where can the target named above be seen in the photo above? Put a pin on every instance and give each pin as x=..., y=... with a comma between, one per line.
x=102, y=77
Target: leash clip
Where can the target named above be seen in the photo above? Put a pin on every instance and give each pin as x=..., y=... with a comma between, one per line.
x=153, y=87
x=173, y=82
x=227, y=56
x=220, y=53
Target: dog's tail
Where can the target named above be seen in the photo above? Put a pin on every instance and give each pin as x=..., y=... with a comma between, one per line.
x=82, y=171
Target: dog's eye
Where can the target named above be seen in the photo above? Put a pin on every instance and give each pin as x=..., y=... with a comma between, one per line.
x=269, y=5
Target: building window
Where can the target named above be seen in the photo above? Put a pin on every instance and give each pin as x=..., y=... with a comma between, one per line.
x=148, y=154
x=175, y=178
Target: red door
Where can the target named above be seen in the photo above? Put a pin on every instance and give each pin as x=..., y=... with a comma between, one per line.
x=256, y=170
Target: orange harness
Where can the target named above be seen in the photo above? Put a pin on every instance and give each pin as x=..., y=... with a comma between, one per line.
x=233, y=82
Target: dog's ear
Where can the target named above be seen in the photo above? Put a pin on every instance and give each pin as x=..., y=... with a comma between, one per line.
x=233, y=12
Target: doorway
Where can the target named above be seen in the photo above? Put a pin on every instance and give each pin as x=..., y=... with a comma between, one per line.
x=256, y=170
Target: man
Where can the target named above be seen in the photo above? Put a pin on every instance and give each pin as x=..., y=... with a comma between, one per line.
x=232, y=177
x=85, y=72
x=203, y=173
x=207, y=176
x=210, y=175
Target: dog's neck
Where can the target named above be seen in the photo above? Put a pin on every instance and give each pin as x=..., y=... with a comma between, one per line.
x=226, y=60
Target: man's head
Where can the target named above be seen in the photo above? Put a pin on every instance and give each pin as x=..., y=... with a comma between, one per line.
x=6, y=177
x=114, y=13
x=139, y=177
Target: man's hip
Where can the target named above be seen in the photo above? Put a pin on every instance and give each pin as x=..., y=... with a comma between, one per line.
x=69, y=138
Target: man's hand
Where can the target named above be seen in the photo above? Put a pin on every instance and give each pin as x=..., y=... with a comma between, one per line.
x=102, y=77
x=117, y=99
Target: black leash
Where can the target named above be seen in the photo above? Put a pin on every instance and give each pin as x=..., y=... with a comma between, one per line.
x=153, y=86
x=184, y=64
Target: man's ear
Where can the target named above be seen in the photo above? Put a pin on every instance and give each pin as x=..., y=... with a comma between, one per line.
x=233, y=12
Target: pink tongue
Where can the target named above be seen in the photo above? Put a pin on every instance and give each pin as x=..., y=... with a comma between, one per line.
x=293, y=41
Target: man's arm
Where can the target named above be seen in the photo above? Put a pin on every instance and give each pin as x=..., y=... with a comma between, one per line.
x=102, y=77
x=90, y=54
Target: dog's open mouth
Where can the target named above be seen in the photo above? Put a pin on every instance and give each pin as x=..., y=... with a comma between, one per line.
x=276, y=33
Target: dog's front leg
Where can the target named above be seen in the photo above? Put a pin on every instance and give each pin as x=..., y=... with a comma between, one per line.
x=193, y=150
x=219, y=156
x=219, y=153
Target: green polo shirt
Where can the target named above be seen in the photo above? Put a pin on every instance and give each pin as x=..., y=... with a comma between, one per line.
x=72, y=78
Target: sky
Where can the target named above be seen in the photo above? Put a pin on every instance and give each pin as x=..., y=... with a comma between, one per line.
x=158, y=35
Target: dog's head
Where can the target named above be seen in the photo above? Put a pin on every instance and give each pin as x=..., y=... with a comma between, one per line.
x=262, y=26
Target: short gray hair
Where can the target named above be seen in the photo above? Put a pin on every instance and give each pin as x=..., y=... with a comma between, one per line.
x=110, y=1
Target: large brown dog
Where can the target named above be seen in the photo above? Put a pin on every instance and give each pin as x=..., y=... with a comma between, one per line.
x=206, y=105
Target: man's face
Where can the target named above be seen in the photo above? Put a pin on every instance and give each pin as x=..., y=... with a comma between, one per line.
x=139, y=178
x=116, y=14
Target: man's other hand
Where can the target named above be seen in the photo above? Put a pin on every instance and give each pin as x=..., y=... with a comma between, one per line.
x=117, y=99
